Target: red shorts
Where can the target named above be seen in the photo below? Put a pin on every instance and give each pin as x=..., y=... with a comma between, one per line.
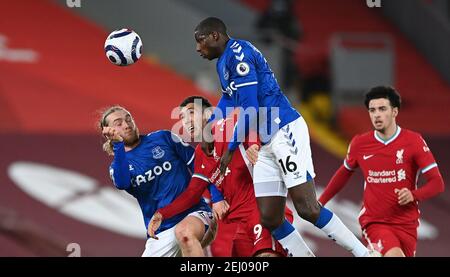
x=252, y=239
x=221, y=246
x=384, y=237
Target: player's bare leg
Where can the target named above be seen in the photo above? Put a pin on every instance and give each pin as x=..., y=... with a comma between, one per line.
x=305, y=201
x=271, y=209
x=189, y=233
x=394, y=252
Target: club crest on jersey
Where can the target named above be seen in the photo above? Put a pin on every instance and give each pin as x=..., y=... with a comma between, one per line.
x=399, y=156
x=157, y=152
x=243, y=68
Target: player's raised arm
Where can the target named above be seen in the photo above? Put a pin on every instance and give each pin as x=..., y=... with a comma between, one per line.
x=243, y=74
x=119, y=129
x=119, y=170
x=223, y=109
x=247, y=95
x=252, y=144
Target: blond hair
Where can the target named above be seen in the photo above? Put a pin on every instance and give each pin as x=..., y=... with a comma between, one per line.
x=107, y=145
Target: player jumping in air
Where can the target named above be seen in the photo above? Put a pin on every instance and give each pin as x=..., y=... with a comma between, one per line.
x=283, y=163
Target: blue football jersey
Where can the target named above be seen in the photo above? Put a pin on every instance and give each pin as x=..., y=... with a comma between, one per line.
x=242, y=66
x=155, y=172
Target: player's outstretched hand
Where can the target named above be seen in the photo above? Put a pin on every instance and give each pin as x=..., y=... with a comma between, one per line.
x=225, y=160
x=252, y=153
x=405, y=196
x=220, y=209
x=111, y=134
x=154, y=224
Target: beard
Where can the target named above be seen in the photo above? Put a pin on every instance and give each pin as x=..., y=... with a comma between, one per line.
x=132, y=138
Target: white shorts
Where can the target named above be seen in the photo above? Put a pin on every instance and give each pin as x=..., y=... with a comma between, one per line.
x=166, y=245
x=285, y=162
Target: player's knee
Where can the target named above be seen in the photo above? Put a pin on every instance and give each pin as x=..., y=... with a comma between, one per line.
x=184, y=234
x=309, y=212
x=270, y=222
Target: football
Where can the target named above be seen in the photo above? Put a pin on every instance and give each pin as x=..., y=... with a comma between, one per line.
x=123, y=47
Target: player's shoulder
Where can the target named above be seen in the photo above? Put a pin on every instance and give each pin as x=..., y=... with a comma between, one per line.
x=362, y=138
x=164, y=135
x=158, y=134
x=410, y=134
x=245, y=44
x=412, y=138
x=240, y=50
x=198, y=151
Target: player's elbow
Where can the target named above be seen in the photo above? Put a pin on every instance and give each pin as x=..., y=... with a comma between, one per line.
x=122, y=185
x=439, y=183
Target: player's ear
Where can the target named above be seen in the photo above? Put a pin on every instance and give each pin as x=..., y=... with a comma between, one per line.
x=215, y=35
x=395, y=111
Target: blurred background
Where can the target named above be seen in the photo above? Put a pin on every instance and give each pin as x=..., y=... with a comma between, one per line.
x=55, y=192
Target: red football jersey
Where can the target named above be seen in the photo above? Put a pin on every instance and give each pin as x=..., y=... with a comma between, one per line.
x=386, y=166
x=237, y=184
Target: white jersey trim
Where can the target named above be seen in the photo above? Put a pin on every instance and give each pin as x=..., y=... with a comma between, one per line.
x=347, y=166
x=427, y=168
x=201, y=177
x=397, y=132
x=192, y=158
x=363, y=210
x=246, y=84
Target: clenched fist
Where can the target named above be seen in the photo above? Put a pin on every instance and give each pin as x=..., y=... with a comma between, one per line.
x=111, y=134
